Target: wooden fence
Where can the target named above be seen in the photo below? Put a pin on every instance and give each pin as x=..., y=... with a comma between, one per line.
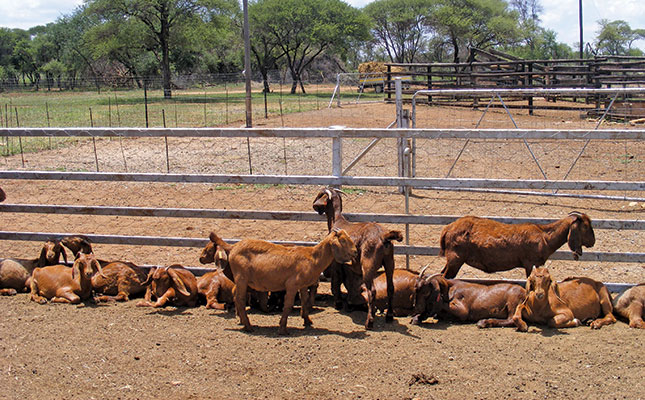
x=335, y=179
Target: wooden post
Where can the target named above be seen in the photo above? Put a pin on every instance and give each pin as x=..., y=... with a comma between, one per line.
x=337, y=153
x=529, y=80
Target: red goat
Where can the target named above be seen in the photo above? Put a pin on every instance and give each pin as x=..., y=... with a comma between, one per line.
x=403, y=300
x=174, y=284
x=266, y=266
x=62, y=284
x=631, y=305
x=564, y=304
x=375, y=249
x=217, y=289
x=492, y=246
x=15, y=273
x=490, y=304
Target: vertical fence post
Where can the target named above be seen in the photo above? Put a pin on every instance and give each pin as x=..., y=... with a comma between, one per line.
x=48, y=123
x=145, y=98
x=96, y=157
x=163, y=117
x=22, y=155
x=400, y=142
x=337, y=152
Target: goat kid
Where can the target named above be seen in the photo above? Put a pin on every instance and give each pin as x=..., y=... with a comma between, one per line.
x=62, y=284
x=265, y=266
x=630, y=305
x=493, y=246
x=15, y=273
x=491, y=305
x=564, y=304
x=170, y=285
x=375, y=250
x=403, y=300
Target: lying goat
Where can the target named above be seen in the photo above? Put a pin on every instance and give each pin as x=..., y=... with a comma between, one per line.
x=375, y=250
x=403, y=300
x=492, y=246
x=631, y=305
x=217, y=289
x=491, y=305
x=265, y=266
x=14, y=273
x=62, y=284
x=564, y=304
x=174, y=284
x=119, y=280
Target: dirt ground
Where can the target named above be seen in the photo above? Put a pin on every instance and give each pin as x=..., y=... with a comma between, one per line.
x=118, y=351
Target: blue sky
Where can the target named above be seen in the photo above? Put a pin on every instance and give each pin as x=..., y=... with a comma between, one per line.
x=559, y=15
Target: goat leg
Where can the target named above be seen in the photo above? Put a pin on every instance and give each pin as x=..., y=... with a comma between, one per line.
x=239, y=292
x=494, y=322
x=305, y=306
x=389, y=274
x=607, y=309
x=289, y=298
x=371, y=307
x=8, y=292
x=517, y=319
x=564, y=319
x=68, y=297
x=336, y=279
x=635, y=312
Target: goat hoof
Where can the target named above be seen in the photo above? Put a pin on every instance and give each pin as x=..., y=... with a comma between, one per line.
x=248, y=328
x=482, y=324
x=369, y=325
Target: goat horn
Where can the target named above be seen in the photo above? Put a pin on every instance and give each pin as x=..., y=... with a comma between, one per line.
x=423, y=269
x=328, y=192
x=576, y=213
x=339, y=191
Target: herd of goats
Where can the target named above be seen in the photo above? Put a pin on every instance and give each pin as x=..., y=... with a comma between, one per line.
x=262, y=274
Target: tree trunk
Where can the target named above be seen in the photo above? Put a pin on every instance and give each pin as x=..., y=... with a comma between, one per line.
x=165, y=58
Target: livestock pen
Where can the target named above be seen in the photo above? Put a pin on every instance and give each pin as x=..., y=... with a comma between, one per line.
x=150, y=216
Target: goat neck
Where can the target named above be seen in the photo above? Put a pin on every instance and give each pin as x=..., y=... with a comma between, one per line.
x=556, y=233
x=322, y=253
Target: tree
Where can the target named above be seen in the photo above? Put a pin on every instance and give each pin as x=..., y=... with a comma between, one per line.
x=163, y=20
x=305, y=29
x=616, y=38
x=474, y=23
x=400, y=26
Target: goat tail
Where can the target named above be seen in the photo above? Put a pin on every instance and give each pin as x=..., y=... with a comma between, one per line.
x=220, y=243
x=442, y=244
x=387, y=237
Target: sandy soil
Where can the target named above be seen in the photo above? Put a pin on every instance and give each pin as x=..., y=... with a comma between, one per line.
x=122, y=352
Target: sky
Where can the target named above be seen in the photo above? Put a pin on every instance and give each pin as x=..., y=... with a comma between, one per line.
x=558, y=15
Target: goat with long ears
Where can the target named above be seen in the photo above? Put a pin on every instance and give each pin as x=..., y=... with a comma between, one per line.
x=62, y=284
x=493, y=246
x=375, y=250
x=174, y=284
x=15, y=273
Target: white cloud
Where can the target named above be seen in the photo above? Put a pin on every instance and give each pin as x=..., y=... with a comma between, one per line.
x=34, y=12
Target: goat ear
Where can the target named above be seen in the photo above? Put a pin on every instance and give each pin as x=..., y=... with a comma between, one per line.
x=445, y=288
x=97, y=266
x=575, y=239
x=179, y=283
x=64, y=253
x=212, y=237
x=76, y=269
x=149, y=278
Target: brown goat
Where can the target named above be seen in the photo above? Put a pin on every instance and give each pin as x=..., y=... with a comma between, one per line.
x=490, y=304
x=493, y=246
x=15, y=273
x=119, y=280
x=174, y=284
x=375, y=249
x=403, y=300
x=564, y=304
x=217, y=289
x=631, y=305
x=62, y=284
x=265, y=266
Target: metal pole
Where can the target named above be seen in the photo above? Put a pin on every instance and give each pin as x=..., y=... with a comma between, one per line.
x=247, y=64
x=580, y=21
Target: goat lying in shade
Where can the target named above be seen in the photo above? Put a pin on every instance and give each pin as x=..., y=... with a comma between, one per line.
x=490, y=304
x=375, y=250
x=403, y=300
x=119, y=281
x=564, y=304
x=15, y=273
x=62, y=284
x=170, y=285
x=631, y=305
x=492, y=246
x=266, y=266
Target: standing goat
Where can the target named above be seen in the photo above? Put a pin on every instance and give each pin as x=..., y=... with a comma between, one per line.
x=631, y=305
x=564, y=304
x=174, y=284
x=62, y=284
x=492, y=246
x=375, y=249
x=15, y=273
x=266, y=266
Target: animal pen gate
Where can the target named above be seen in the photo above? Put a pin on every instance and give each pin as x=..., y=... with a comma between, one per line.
x=337, y=178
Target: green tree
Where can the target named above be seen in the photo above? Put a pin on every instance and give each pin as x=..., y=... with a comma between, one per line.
x=164, y=21
x=400, y=26
x=617, y=37
x=474, y=23
x=305, y=29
